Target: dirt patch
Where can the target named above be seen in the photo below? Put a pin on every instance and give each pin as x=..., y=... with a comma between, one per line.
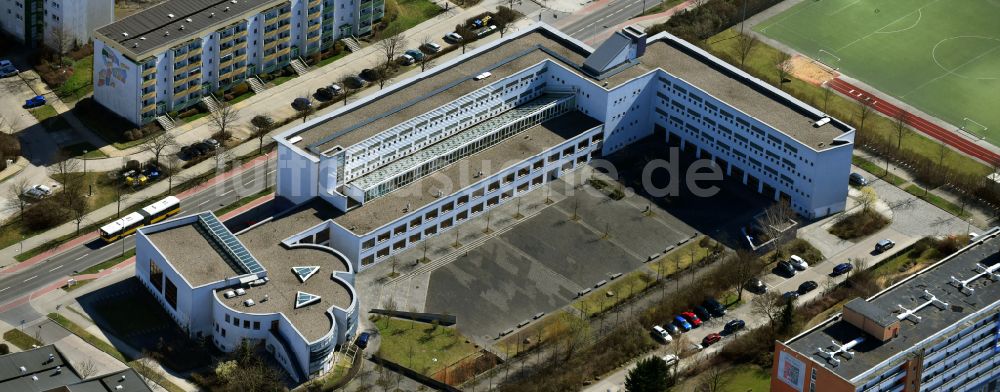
x=810, y=71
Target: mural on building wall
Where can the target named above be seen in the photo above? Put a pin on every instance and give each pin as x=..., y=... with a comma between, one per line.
x=114, y=69
x=791, y=370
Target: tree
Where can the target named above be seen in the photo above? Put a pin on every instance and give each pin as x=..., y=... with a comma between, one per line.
x=504, y=18
x=774, y=221
x=864, y=110
x=260, y=126
x=867, y=198
x=784, y=66
x=78, y=206
x=348, y=89
x=148, y=370
x=827, y=94
x=15, y=194
x=467, y=36
x=712, y=380
x=744, y=45
x=305, y=109
x=648, y=375
x=223, y=118
x=768, y=305
x=173, y=164
x=901, y=118
x=86, y=368
x=391, y=43
x=743, y=268
x=158, y=143
x=426, y=62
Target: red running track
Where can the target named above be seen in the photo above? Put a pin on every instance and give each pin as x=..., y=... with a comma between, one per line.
x=960, y=143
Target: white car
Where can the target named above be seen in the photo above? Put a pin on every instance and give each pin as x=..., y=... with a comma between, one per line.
x=798, y=263
x=662, y=334
x=38, y=191
x=483, y=75
x=671, y=359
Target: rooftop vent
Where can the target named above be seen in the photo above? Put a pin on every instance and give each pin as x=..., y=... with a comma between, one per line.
x=225, y=9
x=122, y=379
x=166, y=33
x=135, y=45
x=963, y=285
x=844, y=351
x=119, y=387
x=229, y=294
x=171, y=16
x=182, y=27
x=248, y=303
x=211, y=14
x=823, y=121
x=52, y=357
x=142, y=38
x=911, y=314
x=34, y=378
x=58, y=369
x=295, y=139
x=266, y=297
x=232, y=1
x=23, y=369
x=188, y=20
x=240, y=291
x=124, y=34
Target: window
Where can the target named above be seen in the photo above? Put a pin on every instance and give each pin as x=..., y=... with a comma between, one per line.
x=246, y=324
x=223, y=332
x=236, y=321
x=227, y=318
x=155, y=276
x=256, y=325
x=170, y=293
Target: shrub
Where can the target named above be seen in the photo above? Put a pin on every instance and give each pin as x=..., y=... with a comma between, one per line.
x=710, y=18
x=859, y=224
x=10, y=145
x=190, y=112
x=130, y=135
x=44, y=215
x=4, y=349
x=228, y=97
x=239, y=89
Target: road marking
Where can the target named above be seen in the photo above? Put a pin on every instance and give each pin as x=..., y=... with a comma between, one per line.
x=4, y=289
x=202, y=203
x=84, y=255
x=33, y=277
x=230, y=191
x=55, y=268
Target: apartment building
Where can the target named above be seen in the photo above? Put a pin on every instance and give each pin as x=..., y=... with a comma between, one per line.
x=938, y=330
x=172, y=55
x=264, y=285
x=58, y=24
x=434, y=150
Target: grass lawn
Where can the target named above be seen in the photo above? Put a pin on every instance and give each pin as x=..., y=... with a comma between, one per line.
x=931, y=54
x=877, y=170
x=937, y=201
x=761, y=63
x=104, y=188
x=911, y=258
x=432, y=348
x=241, y=98
x=548, y=328
x=679, y=259
x=87, y=336
x=740, y=378
x=80, y=83
x=331, y=59
x=410, y=13
x=21, y=340
x=625, y=287
x=77, y=150
x=281, y=79
x=43, y=112
x=108, y=263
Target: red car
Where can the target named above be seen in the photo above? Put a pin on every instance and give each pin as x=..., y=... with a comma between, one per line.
x=692, y=318
x=710, y=339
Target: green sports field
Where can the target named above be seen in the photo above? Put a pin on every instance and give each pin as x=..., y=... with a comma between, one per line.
x=940, y=56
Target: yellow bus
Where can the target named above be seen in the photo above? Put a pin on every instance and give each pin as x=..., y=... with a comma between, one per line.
x=150, y=214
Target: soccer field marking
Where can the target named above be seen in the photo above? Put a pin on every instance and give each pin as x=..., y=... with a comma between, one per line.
x=920, y=15
x=782, y=19
x=949, y=72
x=953, y=71
x=849, y=5
x=887, y=25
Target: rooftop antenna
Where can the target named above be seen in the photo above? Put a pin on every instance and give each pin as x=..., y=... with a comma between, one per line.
x=911, y=314
x=963, y=285
x=843, y=350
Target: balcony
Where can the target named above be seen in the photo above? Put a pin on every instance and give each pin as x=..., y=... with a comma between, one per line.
x=151, y=94
x=148, y=107
x=149, y=82
x=185, y=68
x=240, y=34
x=226, y=51
x=191, y=89
x=180, y=81
x=313, y=3
x=149, y=71
x=314, y=27
x=240, y=57
x=270, y=57
x=282, y=52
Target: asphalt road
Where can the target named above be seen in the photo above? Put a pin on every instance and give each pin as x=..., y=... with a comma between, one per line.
x=614, y=13
x=79, y=258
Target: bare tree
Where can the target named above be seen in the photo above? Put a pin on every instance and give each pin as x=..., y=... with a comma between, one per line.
x=304, y=111
x=864, y=111
x=774, y=221
x=86, y=368
x=173, y=166
x=712, y=380
x=59, y=40
x=768, y=305
x=504, y=18
x=67, y=171
x=677, y=347
x=784, y=66
x=158, y=143
x=223, y=118
x=744, y=267
x=78, y=206
x=391, y=43
x=348, y=89
x=859, y=265
x=260, y=126
x=222, y=156
x=867, y=198
x=15, y=194
x=744, y=45
x=148, y=370
x=467, y=36
x=901, y=118
x=426, y=62
x=827, y=94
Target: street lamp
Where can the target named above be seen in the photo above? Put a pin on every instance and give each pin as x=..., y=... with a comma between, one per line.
x=90, y=191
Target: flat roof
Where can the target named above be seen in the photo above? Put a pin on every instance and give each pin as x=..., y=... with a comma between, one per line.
x=127, y=379
x=458, y=175
x=148, y=28
x=195, y=256
x=264, y=242
x=909, y=293
x=36, y=364
x=430, y=91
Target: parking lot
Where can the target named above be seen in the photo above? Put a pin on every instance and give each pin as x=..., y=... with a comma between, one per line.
x=542, y=262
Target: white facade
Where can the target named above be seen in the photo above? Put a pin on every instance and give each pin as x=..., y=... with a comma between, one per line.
x=179, y=74
x=54, y=22
x=200, y=312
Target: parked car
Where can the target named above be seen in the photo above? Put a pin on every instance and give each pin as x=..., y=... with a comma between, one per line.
x=151, y=172
x=785, y=268
x=431, y=47
x=711, y=339
x=702, y=313
x=842, y=268
x=134, y=178
x=406, y=59
x=355, y=82
x=714, y=307
x=671, y=359
x=681, y=323
x=362, y=341
x=884, y=245
x=661, y=334
x=692, y=318
x=453, y=37
x=7, y=69
x=734, y=326
x=369, y=74
x=301, y=103
x=798, y=263
x=672, y=329
x=336, y=89
x=790, y=295
x=416, y=54
x=807, y=286
x=756, y=286
x=203, y=148
x=324, y=94
x=858, y=179
x=486, y=31
x=34, y=102
x=37, y=191
x=213, y=143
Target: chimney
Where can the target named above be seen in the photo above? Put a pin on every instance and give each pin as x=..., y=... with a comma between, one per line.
x=638, y=38
x=622, y=47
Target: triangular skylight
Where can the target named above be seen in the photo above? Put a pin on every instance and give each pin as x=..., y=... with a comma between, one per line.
x=305, y=272
x=304, y=298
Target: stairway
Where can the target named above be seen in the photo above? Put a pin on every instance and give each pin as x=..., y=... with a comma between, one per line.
x=351, y=44
x=165, y=122
x=300, y=67
x=211, y=103
x=256, y=85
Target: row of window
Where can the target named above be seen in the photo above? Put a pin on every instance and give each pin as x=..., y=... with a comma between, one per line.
x=246, y=323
